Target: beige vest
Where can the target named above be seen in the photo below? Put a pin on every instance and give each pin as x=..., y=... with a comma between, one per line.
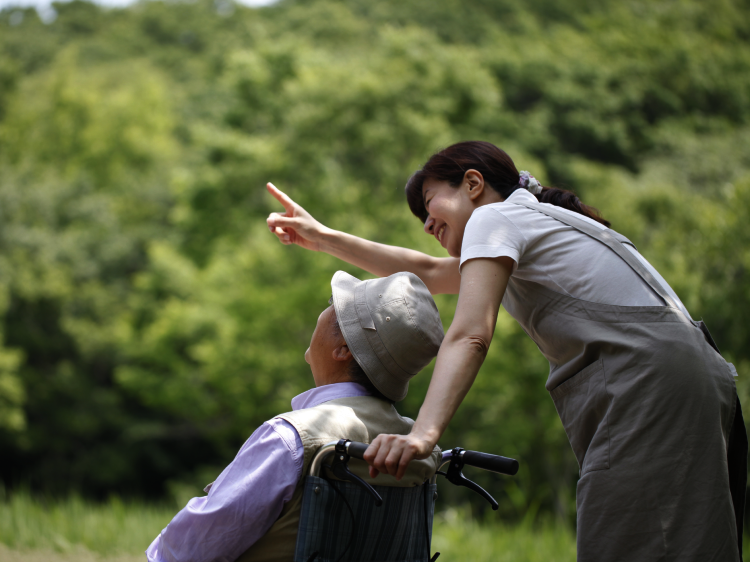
x=359, y=418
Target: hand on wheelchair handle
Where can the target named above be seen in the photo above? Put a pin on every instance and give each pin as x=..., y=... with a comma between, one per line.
x=391, y=454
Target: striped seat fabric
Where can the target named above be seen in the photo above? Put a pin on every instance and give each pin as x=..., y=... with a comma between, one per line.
x=397, y=531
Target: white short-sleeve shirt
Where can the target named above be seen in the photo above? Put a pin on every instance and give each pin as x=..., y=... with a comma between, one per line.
x=556, y=255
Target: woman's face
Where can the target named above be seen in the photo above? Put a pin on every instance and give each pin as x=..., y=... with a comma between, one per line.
x=449, y=209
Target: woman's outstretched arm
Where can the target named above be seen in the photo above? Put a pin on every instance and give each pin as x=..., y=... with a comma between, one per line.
x=461, y=355
x=297, y=226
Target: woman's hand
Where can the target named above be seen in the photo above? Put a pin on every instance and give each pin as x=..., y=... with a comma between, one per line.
x=295, y=226
x=391, y=454
x=461, y=355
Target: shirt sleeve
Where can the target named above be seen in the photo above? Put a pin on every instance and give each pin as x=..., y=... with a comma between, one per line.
x=242, y=504
x=490, y=234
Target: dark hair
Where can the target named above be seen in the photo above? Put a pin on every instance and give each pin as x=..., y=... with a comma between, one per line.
x=498, y=171
x=355, y=372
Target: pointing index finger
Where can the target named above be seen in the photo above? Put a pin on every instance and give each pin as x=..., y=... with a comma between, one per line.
x=281, y=197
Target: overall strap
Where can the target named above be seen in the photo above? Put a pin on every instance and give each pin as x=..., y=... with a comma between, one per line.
x=609, y=238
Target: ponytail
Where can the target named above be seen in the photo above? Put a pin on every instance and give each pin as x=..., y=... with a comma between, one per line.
x=569, y=200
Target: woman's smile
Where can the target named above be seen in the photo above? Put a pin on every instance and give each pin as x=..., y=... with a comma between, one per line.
x=448, y=209
x=439, y=234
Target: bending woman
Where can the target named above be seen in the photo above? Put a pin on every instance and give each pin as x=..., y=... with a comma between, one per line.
x=648, y=404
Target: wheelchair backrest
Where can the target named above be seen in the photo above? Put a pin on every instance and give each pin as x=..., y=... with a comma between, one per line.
x=339, y=522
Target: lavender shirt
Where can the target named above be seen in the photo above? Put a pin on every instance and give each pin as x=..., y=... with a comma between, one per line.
x=250, y=493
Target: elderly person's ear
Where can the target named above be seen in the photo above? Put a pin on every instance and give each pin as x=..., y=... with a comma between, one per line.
x=341, y=353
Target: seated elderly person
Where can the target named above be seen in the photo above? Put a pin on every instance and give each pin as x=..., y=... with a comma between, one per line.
x=366, y=346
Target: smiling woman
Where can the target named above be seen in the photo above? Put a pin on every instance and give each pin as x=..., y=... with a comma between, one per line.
x=495, y=167
x=639, y=386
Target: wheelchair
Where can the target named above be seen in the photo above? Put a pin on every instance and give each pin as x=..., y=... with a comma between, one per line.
x=345, y=519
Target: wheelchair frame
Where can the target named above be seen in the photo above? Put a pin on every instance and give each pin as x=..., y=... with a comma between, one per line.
x=339, y=453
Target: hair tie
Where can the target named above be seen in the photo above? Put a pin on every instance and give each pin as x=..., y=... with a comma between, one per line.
x=529, y=182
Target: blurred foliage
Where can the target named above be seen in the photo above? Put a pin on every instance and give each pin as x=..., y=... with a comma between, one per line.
x=149, y=320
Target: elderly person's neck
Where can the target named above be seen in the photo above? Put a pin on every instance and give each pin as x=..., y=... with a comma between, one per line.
x=328, y=355
x=337, y=373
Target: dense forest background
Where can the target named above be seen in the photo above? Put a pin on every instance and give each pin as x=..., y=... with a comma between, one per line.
x=148, y=320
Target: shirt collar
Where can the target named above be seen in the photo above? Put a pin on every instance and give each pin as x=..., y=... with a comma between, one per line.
x=523, y=195
x=320, y=394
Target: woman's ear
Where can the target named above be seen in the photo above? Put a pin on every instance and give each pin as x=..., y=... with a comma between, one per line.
x=473, y=184
x=341, y=353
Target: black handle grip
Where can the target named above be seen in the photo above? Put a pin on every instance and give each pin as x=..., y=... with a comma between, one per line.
x=357, y=450
x=494, y=463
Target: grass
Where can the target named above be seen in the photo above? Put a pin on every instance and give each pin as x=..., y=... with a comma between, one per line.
x=73, y=526
x=460, y=538
x=39, y=530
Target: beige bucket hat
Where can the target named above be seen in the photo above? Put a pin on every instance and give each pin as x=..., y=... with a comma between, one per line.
x=391, y=325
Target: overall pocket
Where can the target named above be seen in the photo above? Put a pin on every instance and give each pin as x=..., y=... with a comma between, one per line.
x=582, y=403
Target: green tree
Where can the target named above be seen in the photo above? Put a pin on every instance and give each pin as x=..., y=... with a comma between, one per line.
x=149, y=320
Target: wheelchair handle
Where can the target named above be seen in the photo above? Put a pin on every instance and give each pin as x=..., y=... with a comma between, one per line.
x=356, y=450
x=485, y=461
x=493, y=463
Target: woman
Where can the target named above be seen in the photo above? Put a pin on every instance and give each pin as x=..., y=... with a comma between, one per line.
x=648, y=405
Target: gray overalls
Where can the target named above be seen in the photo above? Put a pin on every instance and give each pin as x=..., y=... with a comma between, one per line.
x=651, y=412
